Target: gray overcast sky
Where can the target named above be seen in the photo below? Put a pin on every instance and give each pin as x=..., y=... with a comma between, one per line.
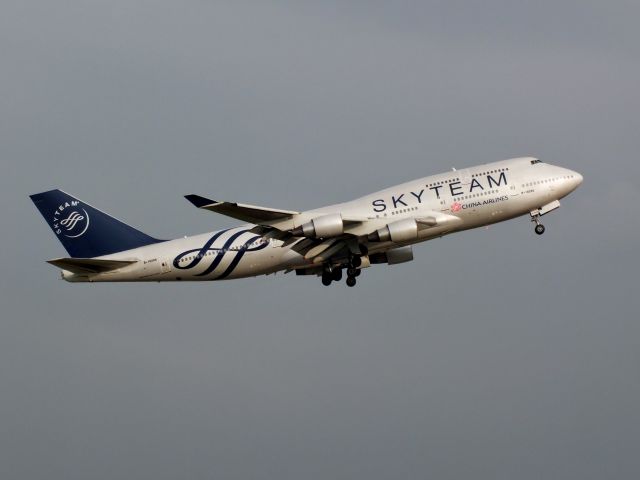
x=496, y=354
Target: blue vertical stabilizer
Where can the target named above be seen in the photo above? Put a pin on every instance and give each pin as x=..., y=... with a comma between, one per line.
x=84, y=231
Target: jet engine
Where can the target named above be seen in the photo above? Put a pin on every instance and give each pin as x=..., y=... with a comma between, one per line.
x=399, y=255
x=393, y=256
x=400, y=231
x=322, y=227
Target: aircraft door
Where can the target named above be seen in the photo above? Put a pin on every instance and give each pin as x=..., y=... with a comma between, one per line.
x=465, y=177
x=165, y=265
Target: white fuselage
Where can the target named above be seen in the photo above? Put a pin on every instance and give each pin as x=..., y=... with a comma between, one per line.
x=470, y=198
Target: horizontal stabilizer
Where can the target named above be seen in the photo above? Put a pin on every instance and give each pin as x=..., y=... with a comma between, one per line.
x=244, y=212
x=89, y=265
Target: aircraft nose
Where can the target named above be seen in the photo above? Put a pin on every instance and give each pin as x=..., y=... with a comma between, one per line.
x=573, y=179
x=576, y=179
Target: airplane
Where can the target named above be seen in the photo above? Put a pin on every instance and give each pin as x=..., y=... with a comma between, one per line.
x=379, y=228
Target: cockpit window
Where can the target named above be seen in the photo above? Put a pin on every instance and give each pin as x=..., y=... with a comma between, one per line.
x=535, y=160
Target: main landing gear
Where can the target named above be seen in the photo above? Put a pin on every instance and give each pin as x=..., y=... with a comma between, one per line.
x=353, y=271
x=330, y=274
x=334, y=273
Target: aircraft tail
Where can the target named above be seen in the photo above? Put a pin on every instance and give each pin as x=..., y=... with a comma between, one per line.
x=84, y=231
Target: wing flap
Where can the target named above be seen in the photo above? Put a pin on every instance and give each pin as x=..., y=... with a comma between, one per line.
x=329, y=252
x=318, y=249
x=89, y=265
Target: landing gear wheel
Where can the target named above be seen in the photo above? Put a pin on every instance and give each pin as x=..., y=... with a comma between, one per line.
x=351, y=281
x=539, y=229
x=356, y=262
x=326, y=279
x=352, y=272
x=336, y=274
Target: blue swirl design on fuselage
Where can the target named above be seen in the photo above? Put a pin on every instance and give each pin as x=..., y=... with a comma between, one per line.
x=219, y=253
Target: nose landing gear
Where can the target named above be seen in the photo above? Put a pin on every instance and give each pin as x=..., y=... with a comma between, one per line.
x=539, y=228
x=543, y=210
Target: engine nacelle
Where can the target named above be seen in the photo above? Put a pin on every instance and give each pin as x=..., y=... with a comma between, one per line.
x=400, y=231
x=322, y=227
x=393, y=256
x=400, y=255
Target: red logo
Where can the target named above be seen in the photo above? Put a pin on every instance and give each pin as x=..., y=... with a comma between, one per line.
x=456, y=207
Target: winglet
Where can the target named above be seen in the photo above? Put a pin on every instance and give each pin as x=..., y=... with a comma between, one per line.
x=199, y=201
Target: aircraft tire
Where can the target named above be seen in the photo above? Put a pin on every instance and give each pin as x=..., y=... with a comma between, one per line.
x=351, y=281
x=539, y=229
x=336, y=274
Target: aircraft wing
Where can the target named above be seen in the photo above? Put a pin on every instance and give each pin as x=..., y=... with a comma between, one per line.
x=89, y=265
x=282, y=225
x=240, y=211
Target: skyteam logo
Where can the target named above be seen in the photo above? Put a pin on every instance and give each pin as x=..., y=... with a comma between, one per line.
x=215, y=250
x=70, y=220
